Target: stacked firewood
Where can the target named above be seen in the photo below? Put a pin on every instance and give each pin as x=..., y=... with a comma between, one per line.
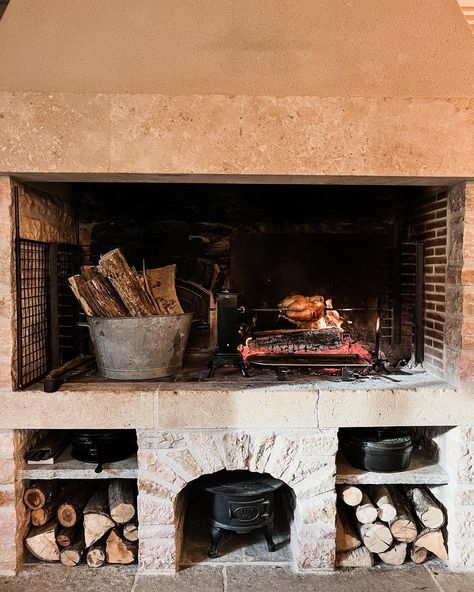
x=114, y=289
x=396, y=524
x=82, y=522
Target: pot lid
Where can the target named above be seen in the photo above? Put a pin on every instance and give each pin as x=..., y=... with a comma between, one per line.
x=377, y=439
x=241, y=483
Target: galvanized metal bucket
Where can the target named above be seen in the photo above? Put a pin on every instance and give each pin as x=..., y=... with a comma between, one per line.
x=137, y=348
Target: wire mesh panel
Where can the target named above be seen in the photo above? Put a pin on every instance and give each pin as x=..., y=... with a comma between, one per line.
x=33, y=311
x=67, y=311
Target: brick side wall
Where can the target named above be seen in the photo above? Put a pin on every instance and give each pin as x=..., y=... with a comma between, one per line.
x=6, y=286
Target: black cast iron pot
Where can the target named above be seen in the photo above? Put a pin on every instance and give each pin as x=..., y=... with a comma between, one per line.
x=378, y=450
x=103, y=446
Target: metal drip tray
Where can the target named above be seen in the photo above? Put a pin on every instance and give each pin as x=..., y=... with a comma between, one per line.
x=308, y=361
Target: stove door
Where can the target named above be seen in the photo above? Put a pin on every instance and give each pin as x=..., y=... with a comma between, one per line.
x=249, y=513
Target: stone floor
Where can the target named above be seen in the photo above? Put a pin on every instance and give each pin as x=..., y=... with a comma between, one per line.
x=237, y=578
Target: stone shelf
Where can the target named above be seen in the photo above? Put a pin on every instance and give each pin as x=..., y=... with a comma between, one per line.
x=422, y=470
x=67, y=467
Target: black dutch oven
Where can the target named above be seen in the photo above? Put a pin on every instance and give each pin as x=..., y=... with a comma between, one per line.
x=103, y=446
x=377, y=450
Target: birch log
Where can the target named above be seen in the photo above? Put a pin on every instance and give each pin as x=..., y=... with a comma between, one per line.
x=376, y=537
x=41, y=542
x=97, y=520
x=381, y=497
x=350, y=494
x=425, y=507
x=360, y=557
x=366, y=512
x=396, y=555
x=121, y=500
x=432, y=540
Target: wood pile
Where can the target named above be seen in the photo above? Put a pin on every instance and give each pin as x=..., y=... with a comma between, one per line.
x=82, y=522
x=114, y=289
x=394, y=523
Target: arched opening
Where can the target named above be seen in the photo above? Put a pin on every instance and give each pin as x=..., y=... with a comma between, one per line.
x=234, y=516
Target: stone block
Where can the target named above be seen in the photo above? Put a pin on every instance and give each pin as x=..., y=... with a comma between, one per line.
x=149, y=487
x=6, y=443
x=261, y=448
x=236, y=450
x=7, y=471
x=282, y=454
x=156, y=555
x=465, y=497
x=153, y=510
x=321, y=481
x=466, y=464
x=320, y=507
x=206, y=451
x=154, y=463
x=184, y=464
x=8, y=558
x=316, y=555
x=321, y=442
x=153, y=440
x=7, y=495
x=8, y=525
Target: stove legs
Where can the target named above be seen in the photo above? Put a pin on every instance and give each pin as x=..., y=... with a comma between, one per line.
x=217, y=534
x=268, y=532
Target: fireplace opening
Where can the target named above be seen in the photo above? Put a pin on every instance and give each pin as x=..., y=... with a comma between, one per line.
x=235, y=516
x=353, y=279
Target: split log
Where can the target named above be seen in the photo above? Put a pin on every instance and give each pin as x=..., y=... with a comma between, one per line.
x=42, y=515
x=360, y=557
x=396, y=555
x=346, y=535
x=381, y=497
x=118, y=550
x=418, y=554
x=97, y=520
x=74, y=499
x=41, y=542
x=366, y=512
x=350, y=494
x=376, y=537
x=403, y=526
x=121, y=500
x=95, y=555
x=105, y=297
x=72, y=555
x=66, y=536
x=79, y=289
x=39, y=494
x=432, y=540
x=426, y=508
x=296, y=340
x=89, y=271
x=130, y=531
x=127, y=283
x=163, y=289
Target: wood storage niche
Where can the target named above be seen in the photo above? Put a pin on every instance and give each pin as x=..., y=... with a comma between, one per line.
x=90, y=522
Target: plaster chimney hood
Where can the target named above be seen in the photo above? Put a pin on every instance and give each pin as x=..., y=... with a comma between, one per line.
x=325, y=48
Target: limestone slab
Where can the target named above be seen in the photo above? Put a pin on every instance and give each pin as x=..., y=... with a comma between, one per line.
x=196, y=579
x=67, y=467
x=275, y=579
x=253, y=407
x=113, y=406
x=422, y=405
x=422, y=470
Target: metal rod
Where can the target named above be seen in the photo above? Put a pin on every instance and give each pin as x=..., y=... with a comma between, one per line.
x=19, y=315
x=419, y=286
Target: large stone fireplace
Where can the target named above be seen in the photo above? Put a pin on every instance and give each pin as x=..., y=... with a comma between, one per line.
x=359, y=186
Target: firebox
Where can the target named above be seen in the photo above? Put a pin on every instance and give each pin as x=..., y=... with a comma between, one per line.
x=359, y=272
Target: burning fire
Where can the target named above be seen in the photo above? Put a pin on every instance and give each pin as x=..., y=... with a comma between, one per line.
x=310, y=312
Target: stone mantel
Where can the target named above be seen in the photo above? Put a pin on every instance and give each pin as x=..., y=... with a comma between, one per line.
x=415, y=401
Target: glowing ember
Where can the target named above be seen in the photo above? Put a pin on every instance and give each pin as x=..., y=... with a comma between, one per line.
x=310, y=312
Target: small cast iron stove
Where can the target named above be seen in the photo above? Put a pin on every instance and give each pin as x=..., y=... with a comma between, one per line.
x=240, y=501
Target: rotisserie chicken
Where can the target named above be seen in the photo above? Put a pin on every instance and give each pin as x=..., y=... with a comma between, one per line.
x=309, y=312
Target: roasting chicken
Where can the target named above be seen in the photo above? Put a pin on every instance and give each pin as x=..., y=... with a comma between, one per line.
x=309, y=312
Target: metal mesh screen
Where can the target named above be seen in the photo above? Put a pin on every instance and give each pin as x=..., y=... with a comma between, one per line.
x=47, y=310
x=33, y=326
x=68, y=312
